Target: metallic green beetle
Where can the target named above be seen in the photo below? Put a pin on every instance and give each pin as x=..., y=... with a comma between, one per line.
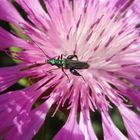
x=69, y=63
x=66, y=63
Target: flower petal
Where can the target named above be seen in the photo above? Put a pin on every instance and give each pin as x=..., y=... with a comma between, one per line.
x=16, y=106
x=131, y=121
x=9, y=13
x=133, y=96
x=9, y=76
x=111, y=132
x=86, y=126
x=32, y=122
x=70, y=130
x=7, y=40
x=35, y=12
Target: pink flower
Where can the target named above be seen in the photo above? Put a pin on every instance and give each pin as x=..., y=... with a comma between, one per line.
x=103, y=34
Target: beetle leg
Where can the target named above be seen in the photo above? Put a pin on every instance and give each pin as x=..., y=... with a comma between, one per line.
x=72, y=56
x=61, y=56
x=58, y=57
x=66, y=74
x=74, y=72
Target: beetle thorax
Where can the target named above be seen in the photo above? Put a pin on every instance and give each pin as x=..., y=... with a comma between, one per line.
x=52, y=61
x=55, y=62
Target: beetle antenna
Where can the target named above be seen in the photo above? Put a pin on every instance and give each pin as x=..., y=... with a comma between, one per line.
x=40, y=48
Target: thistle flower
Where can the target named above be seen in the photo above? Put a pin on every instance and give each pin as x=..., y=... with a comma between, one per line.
x=102, y=33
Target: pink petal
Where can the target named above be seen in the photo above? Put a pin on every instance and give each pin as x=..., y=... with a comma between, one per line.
x=86, y=126
x=111, y=132
x=7, y=40
x=60, y=11
x=70, y=130
x=35, y=12
x=9, y=13
x=131, y=121
x=136, y=7
x=16, y=106
x=9, y=76
x=134, y=96
x=31, y=123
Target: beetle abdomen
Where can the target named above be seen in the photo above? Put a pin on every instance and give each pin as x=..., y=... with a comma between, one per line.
x=76, y=64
